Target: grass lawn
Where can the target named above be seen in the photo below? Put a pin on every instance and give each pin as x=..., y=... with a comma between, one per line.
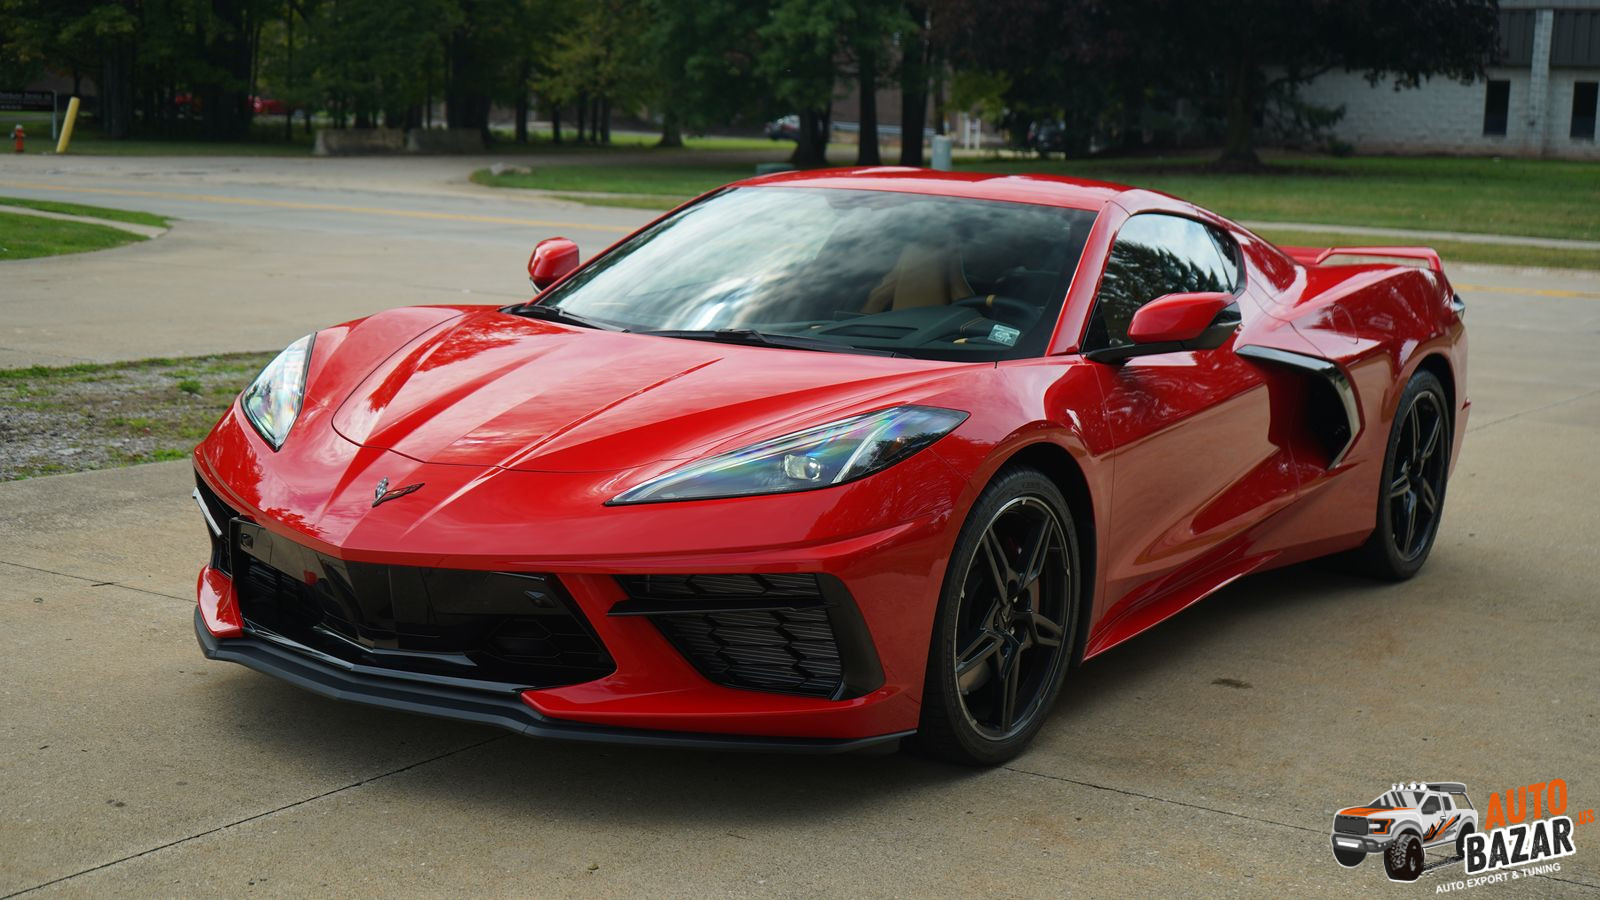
x=1533, y=197
x=1449, y=251
x=266, y=139
x=1541, y=198
x=24, y=237
x=98, y=212
x=76, y=418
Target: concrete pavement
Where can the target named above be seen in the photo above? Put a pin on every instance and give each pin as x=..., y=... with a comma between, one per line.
x=1206, y=757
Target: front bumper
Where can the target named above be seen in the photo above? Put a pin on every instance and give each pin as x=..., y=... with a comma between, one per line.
x=339, y=680
x=1358, y=843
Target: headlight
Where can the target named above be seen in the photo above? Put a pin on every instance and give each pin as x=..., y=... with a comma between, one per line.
x=1378, y=826
x=272, y=401
x=815, y=458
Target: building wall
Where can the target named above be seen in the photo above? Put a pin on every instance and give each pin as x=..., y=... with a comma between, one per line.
x=1545, y=52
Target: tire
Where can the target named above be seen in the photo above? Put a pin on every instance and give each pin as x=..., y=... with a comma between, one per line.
x=1461, y=840
x=1348, y=858
x=1003, y=635
x=1416, y=467
x=1403, y=859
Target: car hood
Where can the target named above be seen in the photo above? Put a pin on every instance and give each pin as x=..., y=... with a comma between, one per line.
x=493, y=389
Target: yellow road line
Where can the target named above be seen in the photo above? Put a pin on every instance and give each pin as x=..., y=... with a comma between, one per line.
x=319, y=207
x=1532, y=292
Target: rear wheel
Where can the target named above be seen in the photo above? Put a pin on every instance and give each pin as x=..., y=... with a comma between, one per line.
x=1411, y=492
x=1461, y=840
x=1003, y=633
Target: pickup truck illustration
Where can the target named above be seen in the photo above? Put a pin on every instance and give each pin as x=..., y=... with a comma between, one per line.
x=1403, y=823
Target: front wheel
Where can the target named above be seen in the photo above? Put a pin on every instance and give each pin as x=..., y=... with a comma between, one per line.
x=1403, y=860
x=1004, y=630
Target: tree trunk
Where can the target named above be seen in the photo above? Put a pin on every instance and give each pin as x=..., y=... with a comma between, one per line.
x=116, y=90
x=1238, y=150
x=605, y=120
x=867, y=86
x=914, y=90
x=555, y=123
x=583, y=114
x=671, y=130
x=524, y=72
x=810, y=147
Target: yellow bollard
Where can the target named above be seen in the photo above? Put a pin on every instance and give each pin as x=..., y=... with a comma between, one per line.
x=66, y=128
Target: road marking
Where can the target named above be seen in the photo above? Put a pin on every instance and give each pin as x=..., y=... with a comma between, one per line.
x=320, y=207
x=1532, y=292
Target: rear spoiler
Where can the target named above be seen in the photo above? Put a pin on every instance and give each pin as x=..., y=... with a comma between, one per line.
x=1316, y=256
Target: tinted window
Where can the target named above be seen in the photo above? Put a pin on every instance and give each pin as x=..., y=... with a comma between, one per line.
x=1430, y=807
x=1495, y=106
x=1155, y=255
x=926, y=276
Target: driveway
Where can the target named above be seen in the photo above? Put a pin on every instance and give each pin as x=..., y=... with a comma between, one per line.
x=1206, y=757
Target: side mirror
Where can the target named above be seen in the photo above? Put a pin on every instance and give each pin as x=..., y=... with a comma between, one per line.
x=552, y=259
x=1199, y=321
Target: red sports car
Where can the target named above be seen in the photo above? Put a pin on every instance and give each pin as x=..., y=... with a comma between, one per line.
x=826, y=460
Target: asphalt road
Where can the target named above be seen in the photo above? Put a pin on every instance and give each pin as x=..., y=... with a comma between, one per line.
x=1205, y=757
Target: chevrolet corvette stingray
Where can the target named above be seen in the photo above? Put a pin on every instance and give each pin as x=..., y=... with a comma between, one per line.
x=825, y=461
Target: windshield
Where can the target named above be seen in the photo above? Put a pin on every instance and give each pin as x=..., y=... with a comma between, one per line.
x=931, y=277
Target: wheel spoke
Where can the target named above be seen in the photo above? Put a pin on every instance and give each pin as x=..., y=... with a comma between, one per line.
x=1431, y=445
x=1399, y=487
x=1414, y=428
x=1411, y=523
x=999, y=568
x=972, y=669
x=1430, y=500
x=1038, y=549
x=1010, y=676
x=1045, y=632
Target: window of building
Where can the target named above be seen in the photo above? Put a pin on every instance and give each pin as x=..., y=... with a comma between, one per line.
x=1496, y=107
x=1583, y=106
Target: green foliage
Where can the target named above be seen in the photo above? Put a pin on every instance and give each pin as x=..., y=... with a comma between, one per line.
x=24, y=237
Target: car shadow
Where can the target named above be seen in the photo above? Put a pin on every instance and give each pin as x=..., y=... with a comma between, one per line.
x=510, y=778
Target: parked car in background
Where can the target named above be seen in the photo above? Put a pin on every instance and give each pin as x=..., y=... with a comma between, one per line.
x=786, y=128
x=1046, y=137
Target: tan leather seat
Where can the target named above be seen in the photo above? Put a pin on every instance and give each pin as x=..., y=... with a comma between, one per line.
x=923, y=276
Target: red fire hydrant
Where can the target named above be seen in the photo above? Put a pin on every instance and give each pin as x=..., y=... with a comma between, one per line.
x=18, y=134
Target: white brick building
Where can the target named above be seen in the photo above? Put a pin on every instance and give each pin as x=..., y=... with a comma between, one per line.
x=1539, y=99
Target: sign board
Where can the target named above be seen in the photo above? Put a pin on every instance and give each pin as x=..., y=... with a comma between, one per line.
x=41, y=101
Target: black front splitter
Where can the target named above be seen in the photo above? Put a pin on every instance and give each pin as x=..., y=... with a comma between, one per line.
x=502, y=709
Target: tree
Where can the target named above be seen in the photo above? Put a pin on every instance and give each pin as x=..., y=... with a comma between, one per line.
x=1254, y=49
x=601, y=61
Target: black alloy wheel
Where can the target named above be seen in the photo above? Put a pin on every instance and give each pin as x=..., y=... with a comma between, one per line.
x=1416, y=483
x=1411, y=492
x=1003, y=635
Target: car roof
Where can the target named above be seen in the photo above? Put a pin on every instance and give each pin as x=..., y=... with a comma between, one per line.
x=1047, y=190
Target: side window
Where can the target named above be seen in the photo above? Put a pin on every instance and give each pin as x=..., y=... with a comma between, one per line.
x=1155, y=255
x=1445, y=801
x=1431, y=806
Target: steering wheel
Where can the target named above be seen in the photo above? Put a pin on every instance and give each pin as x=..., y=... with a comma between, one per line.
x=1016, y=312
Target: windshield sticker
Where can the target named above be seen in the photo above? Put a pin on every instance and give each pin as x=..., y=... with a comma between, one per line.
x=1004, y=334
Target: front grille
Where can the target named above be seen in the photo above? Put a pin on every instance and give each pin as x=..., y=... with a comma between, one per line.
x=764, y=632
x=508, y=629
x=1350, y=824
x=792, y=651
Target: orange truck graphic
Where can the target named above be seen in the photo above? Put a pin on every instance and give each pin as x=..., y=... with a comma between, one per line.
x=1403, y=824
